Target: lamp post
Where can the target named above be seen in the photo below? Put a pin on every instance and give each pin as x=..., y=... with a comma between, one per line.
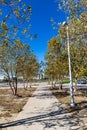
x=72, y=104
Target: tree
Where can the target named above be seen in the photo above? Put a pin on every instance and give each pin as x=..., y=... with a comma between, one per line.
x=15, y=24
x=57, y=58
x=72, y=7
x=17, y=60
x=77, y=29
x=55, y=61
x=8, y=61
x=29, y=66
x=77, y=36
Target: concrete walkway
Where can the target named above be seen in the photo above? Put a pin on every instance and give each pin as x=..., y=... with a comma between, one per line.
x=43, y=112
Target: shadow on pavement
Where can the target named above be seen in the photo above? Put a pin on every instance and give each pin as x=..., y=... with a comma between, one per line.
x=49, y=120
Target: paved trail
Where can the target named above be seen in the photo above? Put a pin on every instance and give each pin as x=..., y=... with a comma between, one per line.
x=43, y=112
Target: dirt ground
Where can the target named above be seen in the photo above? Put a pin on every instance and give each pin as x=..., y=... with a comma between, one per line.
x=11, y=105
x=79, y=112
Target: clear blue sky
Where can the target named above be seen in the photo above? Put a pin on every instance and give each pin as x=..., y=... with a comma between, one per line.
x=42, y=12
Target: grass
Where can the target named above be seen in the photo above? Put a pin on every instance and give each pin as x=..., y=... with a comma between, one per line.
x=66, y=81
x=18, y=107
x=6, y=114
x=80, y=100
x=11, y=104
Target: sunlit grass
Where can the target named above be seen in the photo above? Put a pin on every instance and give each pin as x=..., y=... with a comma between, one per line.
x=80, y=98
x=13, y=104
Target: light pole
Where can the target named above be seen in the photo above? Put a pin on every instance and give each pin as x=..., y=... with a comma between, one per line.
x=72, y=104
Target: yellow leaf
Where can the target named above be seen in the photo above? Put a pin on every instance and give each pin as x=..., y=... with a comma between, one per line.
x=0, y=12
x=25, y=31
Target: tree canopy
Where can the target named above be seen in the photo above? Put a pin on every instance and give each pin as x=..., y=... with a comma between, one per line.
x=57, y=58
x=72, y=7
x=16, y=57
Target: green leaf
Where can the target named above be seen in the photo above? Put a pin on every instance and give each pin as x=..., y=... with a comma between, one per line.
x=4, y=26
x=0, y=12
x=25, y=31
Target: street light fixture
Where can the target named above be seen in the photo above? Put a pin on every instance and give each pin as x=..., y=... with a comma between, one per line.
x=72, y=104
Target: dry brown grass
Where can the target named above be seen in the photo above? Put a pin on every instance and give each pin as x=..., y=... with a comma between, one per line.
x=80, y=100
x=13, y=104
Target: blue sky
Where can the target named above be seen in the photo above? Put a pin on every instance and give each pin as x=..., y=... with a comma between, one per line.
x=42, y=12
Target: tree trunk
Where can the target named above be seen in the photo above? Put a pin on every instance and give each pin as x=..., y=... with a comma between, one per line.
x=60, y=86
x=24, y=84
x=11, y=87
x=9, y=80
x=30, y=83
x=15, y=92
x=75, y=87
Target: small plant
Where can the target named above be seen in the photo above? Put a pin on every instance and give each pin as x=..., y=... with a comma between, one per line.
x=7, y=114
